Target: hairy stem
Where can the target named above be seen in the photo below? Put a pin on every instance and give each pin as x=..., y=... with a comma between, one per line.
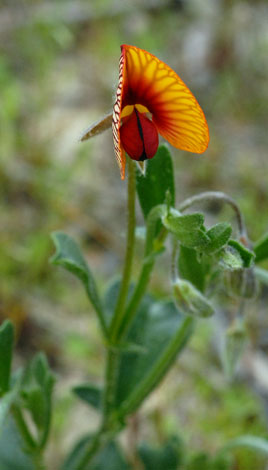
x=147, y=267
x=222, y=197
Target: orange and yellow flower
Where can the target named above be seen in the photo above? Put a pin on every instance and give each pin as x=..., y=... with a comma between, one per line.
x=151, y=99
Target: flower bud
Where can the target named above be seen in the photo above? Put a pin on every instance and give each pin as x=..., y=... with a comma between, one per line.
x=241, y=283
x=190, y=300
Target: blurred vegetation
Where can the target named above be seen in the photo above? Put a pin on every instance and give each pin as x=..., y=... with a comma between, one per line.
x=58, y=73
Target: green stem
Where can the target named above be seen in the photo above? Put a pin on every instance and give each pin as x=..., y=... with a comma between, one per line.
x=91, y=450
x=222, y=197
x=137, y=296
x=109, y=427
x=119, y=309
x=105, y=434
x=110, y=383
x=148, y=264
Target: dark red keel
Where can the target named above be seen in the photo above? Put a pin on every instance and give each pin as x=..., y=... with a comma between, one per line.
x=139, y=136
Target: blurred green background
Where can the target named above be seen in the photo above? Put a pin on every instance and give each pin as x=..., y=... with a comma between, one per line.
x=58, y=73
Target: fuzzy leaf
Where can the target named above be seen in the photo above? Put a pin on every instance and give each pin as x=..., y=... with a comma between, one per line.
x=193, y=268
x=219, y=235
x=36, y=390
x=69, y=256
x=246, y=255
x=188, y=229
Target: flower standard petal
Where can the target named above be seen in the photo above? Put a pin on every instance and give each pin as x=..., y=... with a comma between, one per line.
x=175, y=111
x=149, y=85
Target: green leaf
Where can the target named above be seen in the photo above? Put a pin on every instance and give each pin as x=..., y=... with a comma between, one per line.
x=12, y=454
x=219, y=235
x=188, y=229
x=246, y=255
x=168, y=457
x=6, y=347
x=194, y=268
x=159, y=179
x=162, y=331
x=90, y=394
x=261, y=248
x=203, y=461
x=109, y=458
x=261, y=275
x=255, y=443
x=36, y=390
x=69, y=256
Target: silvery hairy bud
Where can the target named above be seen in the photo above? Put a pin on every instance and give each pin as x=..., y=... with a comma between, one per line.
x=190, y=300
x=241, y=283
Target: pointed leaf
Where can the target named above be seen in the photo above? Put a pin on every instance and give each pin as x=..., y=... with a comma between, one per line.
x=158, y=179
x=261, y=248
x=36, y=390
x=6, y=347
x=188, y=229
x=69, y=256
x=219, y=235
x=90, y=394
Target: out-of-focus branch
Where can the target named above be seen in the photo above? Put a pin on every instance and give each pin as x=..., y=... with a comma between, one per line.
x=14, y=16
